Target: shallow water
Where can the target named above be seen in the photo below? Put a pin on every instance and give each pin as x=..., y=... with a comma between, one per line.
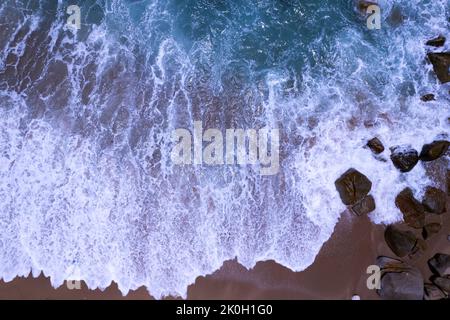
x=88, y=189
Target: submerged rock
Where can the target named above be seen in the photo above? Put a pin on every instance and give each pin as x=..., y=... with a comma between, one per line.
x=430, y=229
x=404, y=157
x=434, y=150
x=363, y=5
x=405, y=283
x=436, y=42
x=352, y=186
x=400, y=242
x=413, y=211
x=396, y=17
x=375, y=145
x=440, y=264
x=364, y=206
x=443, y=283
x=432, y=292
x=441, y=63
x=427, y=97
x=434, y=200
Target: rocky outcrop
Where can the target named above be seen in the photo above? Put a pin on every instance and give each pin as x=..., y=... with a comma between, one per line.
x=375, y=145
x=352, y=186
x=434, y=150
x=434, y=200
x=364, y=206
x=400, y=281
x=443, y=283
x=430, y=229
x=441, y=63
x=413, y=211
x=404, y=157
x=440, y=264
x=436, y=42
x=402, y=243
x=427, y=97
x=432, y=292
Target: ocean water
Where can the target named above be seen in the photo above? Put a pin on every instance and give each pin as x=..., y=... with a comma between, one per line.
x=87, y=187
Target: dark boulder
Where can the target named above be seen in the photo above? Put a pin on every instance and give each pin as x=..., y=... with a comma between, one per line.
x=443, y=283
x=430, y=229
x=441, y=63
x=404, y=283
x=440, y=264
x=404, y=157
x=364, y=206
x=352, y=186
x=375, y=145
x=400, y=242
x=436, y=42
x=427, y=97
x=413, y=211
x=434, y=150
x=434, y=200
x=432, y=292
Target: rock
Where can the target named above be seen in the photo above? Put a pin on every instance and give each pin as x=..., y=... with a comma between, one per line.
x=448, y=182
x=436, y=42
x=430, y=229
x=352, y=186
x=363, y=5
x=427, y=97
x=432, y=292
x=441, y=63
x=443, y=283
x=434, y=150
x=404, y=157
x=413, y=211
x=434, y=200
x=395, y=17
x=364, y=206
x=404, y=284
x=388, y=263
x=375, y=145
x=440, y=264
x=439, y=41
x=400, y=242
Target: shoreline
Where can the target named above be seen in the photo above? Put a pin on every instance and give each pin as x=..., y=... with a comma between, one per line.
x=338, y=272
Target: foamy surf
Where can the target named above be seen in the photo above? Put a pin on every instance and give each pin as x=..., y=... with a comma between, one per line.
x=88, y=189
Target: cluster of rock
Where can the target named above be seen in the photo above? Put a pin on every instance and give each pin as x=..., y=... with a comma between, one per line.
x=440, y=62
x=401, y=280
